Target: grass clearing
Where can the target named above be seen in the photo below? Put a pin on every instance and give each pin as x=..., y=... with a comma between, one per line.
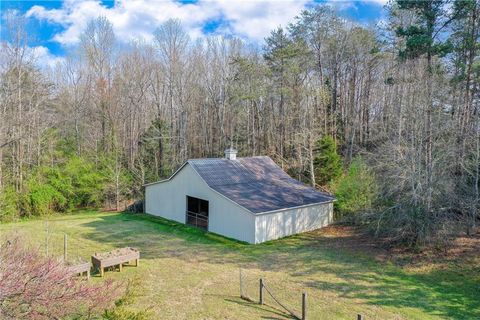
x=185, y=273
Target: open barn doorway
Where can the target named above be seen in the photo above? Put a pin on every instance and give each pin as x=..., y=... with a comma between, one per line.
x=197, y=212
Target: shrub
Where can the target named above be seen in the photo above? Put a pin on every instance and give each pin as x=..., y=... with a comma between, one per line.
x=414, y=226
x=356, y=190
x=41, y=197
x=35, y=287
x=8, y=204
x=87, y=182
x=63, y=187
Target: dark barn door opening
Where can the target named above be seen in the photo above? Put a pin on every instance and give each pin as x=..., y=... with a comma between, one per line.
x=197, y=212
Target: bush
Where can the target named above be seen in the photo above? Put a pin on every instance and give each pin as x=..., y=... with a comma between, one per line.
x=356, y=190
x=8, y=204
x=414, y=226
x=36, y=287
x=41, y=198
x=87, y=183
x=75, y=183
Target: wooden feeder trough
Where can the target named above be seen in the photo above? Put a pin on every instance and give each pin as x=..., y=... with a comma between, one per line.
x=116, y=257
x=80, y=268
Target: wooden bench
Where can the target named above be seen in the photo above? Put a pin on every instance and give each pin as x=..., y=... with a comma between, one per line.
x=115, y=257
x=80, y=268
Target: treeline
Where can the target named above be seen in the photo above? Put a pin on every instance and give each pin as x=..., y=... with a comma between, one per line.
x=399, y=104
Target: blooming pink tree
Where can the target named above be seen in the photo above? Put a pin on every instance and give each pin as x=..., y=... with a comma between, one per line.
x=36, y=287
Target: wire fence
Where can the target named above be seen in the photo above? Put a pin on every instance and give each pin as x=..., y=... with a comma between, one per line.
x=52, y=242
x=275, y=294
x=281, y=295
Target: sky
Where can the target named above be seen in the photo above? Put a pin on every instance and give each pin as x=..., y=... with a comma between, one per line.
x=55, y=26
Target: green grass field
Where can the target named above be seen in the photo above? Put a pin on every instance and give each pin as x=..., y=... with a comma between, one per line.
x=185, y=273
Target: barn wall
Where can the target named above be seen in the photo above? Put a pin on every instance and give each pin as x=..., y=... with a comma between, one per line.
x=284, y=223
x=168, y=200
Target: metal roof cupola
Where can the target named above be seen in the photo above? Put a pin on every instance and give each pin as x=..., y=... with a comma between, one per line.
x=231, y=154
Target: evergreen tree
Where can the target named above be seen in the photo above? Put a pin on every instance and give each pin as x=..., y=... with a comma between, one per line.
x=327, y=162
x=356, y=190
x=287, y=60
x=423, y=37
x=464, y=39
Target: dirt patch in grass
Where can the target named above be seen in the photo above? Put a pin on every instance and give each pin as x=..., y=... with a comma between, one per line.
x=461, y=249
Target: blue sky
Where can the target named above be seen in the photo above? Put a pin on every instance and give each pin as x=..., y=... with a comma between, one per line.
x=55, y=26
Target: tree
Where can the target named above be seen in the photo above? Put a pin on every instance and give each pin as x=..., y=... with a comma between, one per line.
x=172, y=43
x=327, y=37
x=327, y=162
x=423, y=39
x=97, y=44
x=35, y=287
x=356, y=190
x=288, y=60
x=465, y=78
x=25, y=104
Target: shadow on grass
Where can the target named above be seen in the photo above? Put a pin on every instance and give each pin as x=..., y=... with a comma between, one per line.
x=446, y=293
x=276, y=314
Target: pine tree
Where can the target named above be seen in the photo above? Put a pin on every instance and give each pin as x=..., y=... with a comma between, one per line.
x=287, y=60
x=327, y=162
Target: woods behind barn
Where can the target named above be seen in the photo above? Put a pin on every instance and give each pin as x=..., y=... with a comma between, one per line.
x=385, y=118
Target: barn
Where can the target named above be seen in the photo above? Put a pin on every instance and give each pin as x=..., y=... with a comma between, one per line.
x=249, y=199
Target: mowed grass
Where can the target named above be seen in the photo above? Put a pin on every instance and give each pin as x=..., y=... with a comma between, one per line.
x=186, y=273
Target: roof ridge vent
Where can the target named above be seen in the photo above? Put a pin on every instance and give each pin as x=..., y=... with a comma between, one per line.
x=231, y=154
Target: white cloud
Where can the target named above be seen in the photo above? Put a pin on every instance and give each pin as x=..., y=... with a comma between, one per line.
x=132, y=19
x=44, y=58
x=255, y=19
x=380, y=2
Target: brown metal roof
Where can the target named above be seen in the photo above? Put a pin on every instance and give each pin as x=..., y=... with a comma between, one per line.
x=257, y=184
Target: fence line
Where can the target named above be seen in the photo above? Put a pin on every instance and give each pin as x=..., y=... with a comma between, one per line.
x=302, y=317
x=51, y=241
x=263, y=287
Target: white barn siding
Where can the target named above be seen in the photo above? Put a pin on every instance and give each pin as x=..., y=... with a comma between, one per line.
x=231, y=220
x=168, y=200
x=279, y=224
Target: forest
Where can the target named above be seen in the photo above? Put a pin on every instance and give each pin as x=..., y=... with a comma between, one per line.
x=385, y=117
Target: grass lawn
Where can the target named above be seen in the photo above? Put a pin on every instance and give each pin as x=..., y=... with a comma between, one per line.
x=186, y=273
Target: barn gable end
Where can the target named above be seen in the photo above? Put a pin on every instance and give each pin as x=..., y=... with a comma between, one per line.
x=167, y=199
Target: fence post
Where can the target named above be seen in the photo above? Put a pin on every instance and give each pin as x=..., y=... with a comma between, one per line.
x=46, y=238
x=304, y=306
x=241, y=284
x=65, y=238
x=261, y=291
x=360, y=317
